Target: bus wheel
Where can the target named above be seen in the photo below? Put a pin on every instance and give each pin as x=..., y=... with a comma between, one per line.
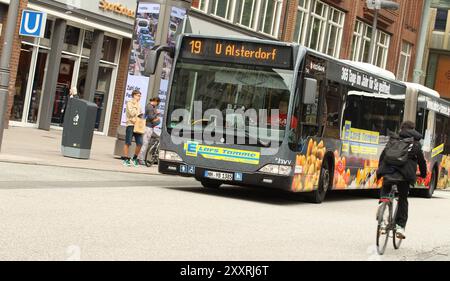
x=318, y=196
x=211, y=184
x=428, y=193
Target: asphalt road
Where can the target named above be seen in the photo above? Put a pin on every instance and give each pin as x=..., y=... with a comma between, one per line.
x=50, y=213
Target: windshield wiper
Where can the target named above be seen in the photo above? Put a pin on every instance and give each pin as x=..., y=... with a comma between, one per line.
x=260, y=141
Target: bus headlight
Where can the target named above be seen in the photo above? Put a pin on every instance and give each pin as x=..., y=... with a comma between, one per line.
x=162, y=154
x=285, y=170
x=169, y=156
x=276, y=170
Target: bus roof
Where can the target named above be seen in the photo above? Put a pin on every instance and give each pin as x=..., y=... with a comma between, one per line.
x=366, y=67
x=423, y=89
x=372, y=69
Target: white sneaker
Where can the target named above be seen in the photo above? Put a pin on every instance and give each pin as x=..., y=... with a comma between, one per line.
x=400, y=232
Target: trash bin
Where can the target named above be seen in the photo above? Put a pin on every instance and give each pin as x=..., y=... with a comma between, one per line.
x=79, y=125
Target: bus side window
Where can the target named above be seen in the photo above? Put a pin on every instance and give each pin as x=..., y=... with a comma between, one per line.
x=331, y=111
x=442, y=132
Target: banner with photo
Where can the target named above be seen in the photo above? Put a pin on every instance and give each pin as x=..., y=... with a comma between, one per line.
x=176, y=21
x=145, y=28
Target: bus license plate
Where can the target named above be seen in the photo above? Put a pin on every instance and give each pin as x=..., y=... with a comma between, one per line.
x=219, y=176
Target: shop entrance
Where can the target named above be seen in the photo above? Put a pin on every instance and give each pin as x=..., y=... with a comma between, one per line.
x=66, y=70
x=29, y=85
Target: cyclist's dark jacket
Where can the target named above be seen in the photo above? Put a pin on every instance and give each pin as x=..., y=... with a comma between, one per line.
x=408, y=171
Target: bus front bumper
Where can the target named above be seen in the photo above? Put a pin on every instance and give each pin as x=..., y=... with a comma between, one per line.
x=244, y=179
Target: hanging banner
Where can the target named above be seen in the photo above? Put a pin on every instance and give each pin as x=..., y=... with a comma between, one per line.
x=145, y=28
x=176, y=21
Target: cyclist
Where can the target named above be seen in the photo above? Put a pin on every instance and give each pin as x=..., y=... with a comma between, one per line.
x=403, y=176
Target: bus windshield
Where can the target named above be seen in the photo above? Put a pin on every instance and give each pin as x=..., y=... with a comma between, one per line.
x=229, y=87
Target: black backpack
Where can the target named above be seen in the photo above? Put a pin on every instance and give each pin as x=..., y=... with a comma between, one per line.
x=397, y=151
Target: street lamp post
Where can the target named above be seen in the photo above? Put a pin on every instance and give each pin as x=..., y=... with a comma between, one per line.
x=377, y=5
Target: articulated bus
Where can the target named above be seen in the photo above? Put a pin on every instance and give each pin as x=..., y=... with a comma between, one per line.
x=334, y=118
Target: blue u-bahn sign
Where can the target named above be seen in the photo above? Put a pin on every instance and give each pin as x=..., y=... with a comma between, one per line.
x=33, y=23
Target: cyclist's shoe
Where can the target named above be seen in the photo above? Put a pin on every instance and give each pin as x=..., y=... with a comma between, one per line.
x=142, y=162
x=127, y=163
x=400, y=232
x=135, y=162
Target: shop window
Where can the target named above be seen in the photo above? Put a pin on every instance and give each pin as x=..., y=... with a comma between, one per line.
x=87, y=42
x=47, y=34
x=441, y=20
x=21, y=83
x=71, y=39
x=109, y=49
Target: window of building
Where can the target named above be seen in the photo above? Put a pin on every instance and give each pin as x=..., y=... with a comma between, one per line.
x=302, y=21
x=71, y=39
x=259, y=15
x=404, y=63
x=441, y=20
x=362, y=37
x=319, y=26
x=201, y=5
x=381, y=52
x=109, y=49
x=247, y=13
x=222, y=8
x=270, y=16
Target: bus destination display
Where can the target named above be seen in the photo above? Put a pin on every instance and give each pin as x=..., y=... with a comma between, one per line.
x=237, y=52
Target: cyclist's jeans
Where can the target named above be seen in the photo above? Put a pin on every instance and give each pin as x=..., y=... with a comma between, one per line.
x=147, y=138
x=403, y=192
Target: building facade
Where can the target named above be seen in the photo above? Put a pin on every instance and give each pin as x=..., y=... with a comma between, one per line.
x=339, y=28
x=438, y=51
x=93, y=39
x=86, y=46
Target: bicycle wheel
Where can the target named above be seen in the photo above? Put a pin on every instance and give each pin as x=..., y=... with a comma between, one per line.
x=397, y=241
x=384, y=217
x=149, y=156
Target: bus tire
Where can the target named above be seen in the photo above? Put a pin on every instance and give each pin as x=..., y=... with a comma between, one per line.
x=318, y=196
x=428, y=193
x=211, y=184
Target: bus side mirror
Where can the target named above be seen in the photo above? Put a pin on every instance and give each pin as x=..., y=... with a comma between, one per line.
x=150, y=63
x=309, y=91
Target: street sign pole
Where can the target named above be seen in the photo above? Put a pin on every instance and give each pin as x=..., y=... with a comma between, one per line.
x=418, y=72
x=377, y=5
x=5, y=59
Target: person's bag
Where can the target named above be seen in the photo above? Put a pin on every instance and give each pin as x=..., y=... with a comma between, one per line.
x=139, y=126
x=397, y=151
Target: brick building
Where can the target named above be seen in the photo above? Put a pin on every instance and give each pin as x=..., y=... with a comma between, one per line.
x=38, y=91
x=437, y=56
x=340, y=28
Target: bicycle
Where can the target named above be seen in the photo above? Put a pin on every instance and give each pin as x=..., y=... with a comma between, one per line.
x=152, y=155
x=386, y=221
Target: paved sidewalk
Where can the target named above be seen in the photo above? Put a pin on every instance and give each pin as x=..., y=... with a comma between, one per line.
x=38, y=147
